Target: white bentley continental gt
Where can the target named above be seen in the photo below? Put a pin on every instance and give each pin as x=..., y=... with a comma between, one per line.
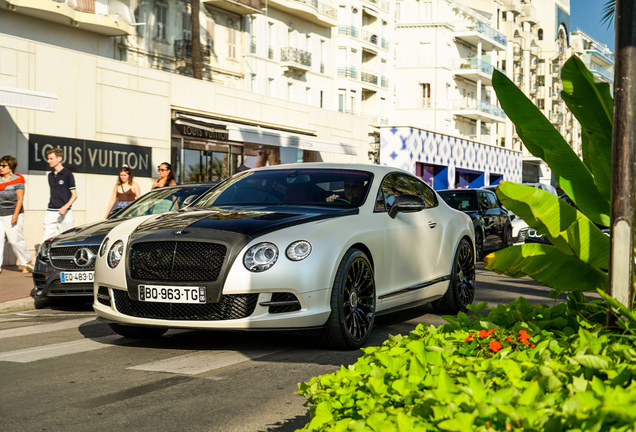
x=313, y=247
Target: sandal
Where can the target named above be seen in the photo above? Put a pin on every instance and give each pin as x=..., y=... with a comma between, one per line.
x=28, y=268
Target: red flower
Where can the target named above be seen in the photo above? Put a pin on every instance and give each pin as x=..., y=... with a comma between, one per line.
x=470, y=337
x=495, y=346
x=482, y=334
x=531, y=345
x=491, y=332
x=508, y=340
x=524, y=334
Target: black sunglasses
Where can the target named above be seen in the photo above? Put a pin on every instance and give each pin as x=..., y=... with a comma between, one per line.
x=3, y=165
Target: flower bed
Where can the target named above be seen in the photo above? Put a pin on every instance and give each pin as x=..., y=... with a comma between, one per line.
x=521, y=367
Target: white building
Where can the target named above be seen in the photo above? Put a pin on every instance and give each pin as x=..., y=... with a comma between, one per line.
x=83, y=79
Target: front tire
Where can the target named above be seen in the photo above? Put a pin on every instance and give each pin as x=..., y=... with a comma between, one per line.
x=352, y=303
x=461, y=289
x=137, y=332
x=508, y=238
x=479, y=244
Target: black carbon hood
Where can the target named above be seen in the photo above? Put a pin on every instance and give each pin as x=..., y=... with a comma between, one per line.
x=86, y=235
x=251, y=221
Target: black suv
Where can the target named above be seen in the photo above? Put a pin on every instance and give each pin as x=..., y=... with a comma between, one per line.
x=65, y=265
x=493, y=230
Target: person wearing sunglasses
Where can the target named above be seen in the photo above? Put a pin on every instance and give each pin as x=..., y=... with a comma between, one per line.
x=353, y=191
x=12, y=212
x=166, y=176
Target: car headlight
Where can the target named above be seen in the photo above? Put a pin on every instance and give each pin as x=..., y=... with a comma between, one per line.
x=102, y=250
x=45, y=250
x=115, y=254
x=260, y=257
x=298, y=250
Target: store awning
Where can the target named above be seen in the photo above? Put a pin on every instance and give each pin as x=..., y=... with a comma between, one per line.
x=265, y=136
x=28, y=99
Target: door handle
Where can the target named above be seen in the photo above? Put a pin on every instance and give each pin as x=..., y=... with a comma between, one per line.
x=432, y=224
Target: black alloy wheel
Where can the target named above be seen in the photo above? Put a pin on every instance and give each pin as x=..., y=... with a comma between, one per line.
x=508, y=238
x=461, y=289
x=137, y=332
x=479, y=244
x=352, y=303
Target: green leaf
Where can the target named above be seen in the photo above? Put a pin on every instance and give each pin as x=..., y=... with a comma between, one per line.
x=620, y=307
x=592, y=361
x=593, y=106
x=544, y=141
x=567, y=228
x=322, y=414
x=547, y=265
x=529, y=396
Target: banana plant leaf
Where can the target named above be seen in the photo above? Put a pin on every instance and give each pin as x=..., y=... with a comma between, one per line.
x=566, y=228
x=593, y=106
x=545, y=142
x=547, y=265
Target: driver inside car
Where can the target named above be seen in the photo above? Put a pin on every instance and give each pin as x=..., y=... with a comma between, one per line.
x=353, y=190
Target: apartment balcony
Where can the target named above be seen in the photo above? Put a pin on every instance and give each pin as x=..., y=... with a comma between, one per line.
x=345, y=30
x=369, y=77
x=384, y=82
x=533, y=87
x=478, y=110
x=554, y=92
x=556, y=72
x=474, y=69
x=474, y=32
x=603, y=74
x=385, y=44
x=370, y=37
x=105, y=17
x=513, y=6
x=529, y=14
x=295, y=60
x=534, y=61
x=241, y=7
x=384, y=5
x=183, y=52
x=314, y=11
x=604, y=56
x=483, y=138
x=374, y=119
x=348, y=72
x=517, y=53
x=555, y=117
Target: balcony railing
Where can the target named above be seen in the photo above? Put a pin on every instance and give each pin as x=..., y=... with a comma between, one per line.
x=481, y=28
x=478, y=105
x=425, y=103
x=374, y=118
x=381, y=4
x=345, y=30
x=385, y=44
x=114, y=9
x=369, y=77
x=320, y=7
x=555, y=117
x=553, y=92
x=384, y=82
x=602, y=72
x=369, y=37
x=555, y=70
x=518, y=78
x=517, y=52
x=475, y=63
x=347, y=72
x=183, y=50
x=603, y=55
x=295, y=55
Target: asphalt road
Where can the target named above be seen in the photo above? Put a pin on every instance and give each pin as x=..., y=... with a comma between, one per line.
x=62, y=370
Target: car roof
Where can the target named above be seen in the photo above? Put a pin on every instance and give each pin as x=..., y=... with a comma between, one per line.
x=379, y=170
x=463, y=189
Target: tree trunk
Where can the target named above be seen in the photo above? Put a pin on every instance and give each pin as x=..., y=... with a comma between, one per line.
x=623, y=138
x=197, y=52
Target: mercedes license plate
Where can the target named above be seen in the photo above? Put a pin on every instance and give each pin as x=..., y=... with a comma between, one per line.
x=77, y=277
x=171, y=294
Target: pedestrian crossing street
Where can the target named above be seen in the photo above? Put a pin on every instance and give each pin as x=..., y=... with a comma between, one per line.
x=193, y=363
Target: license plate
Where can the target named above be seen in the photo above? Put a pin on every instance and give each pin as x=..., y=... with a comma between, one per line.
x=171, y=294
x=77, y=277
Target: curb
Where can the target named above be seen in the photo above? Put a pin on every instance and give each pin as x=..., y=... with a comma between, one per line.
x=20, y=305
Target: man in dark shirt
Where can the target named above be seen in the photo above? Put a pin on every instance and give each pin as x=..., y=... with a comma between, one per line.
x=59, y=217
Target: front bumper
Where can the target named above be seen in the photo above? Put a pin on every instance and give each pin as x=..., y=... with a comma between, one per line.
x=48, y=285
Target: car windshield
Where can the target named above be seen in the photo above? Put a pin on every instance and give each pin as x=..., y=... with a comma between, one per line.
x=160, y=201
x=324, y=187
x=460, y=200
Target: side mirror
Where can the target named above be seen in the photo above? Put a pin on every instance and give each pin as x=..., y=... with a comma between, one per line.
x=189, y=200
x=406, y=204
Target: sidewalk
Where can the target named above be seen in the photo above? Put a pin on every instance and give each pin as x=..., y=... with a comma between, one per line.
x=15, y=290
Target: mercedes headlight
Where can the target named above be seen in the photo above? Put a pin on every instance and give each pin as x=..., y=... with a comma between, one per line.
x=261, y=257
x=45, y=250
x=102, y=250
x=298, y=250
x=115, y=254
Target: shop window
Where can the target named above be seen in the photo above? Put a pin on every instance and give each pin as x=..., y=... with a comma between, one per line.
x=161, y=17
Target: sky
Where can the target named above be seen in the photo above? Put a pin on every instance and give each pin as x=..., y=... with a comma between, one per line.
x=586, y=15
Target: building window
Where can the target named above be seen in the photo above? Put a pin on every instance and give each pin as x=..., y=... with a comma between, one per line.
x=186, y=25
x=353, y=97
x=341, y=100
x=321, y=99
x=290, y=92
x=231, y=39
x=308, y=100
x=540, y=34
x=253, y=83
x=426, y=90
x=270, y=40
x=398, y=11
x=161, y=15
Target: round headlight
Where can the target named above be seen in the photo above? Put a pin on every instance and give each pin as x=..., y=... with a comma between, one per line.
x=260, y=257
x=115, y=253
x=298, y=250
x=102, y=250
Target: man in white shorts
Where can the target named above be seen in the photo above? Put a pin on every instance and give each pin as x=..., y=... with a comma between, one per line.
x=59, y=217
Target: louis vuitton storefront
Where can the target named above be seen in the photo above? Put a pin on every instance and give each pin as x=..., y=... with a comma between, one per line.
x=211, y=150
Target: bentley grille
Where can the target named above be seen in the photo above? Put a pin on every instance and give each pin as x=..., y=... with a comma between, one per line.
x=176, y=261
x=63, y=258
x=231, y=306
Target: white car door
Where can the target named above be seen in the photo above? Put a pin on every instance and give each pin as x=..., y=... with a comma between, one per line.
x=412, y=239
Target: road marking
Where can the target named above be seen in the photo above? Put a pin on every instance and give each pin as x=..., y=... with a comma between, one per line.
x=12, y=319
x=57, y=350
x=203, y=361
x=45, y=328
x=32, y=315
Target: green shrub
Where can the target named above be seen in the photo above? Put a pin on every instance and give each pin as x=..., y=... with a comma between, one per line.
x=577, y=377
